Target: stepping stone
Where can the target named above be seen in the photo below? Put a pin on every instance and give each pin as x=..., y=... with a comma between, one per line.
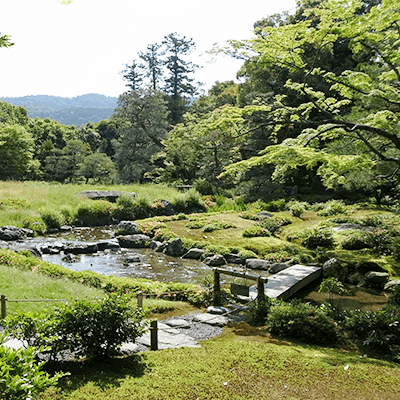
x=178, y=323
x=129, y=348
x=217, y=320
x=217, y=310
x=167, y=340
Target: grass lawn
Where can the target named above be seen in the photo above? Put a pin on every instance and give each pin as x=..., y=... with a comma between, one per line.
x=243, y=363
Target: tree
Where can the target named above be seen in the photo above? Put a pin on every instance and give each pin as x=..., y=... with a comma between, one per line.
x=142, y=124
x=133, y=74
x=16, y=152
x=153, y=65
x=5, y=41
x=99, y=167
x=352, y=127
x=178, y=84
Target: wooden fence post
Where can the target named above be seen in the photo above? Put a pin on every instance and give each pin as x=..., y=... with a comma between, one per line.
x=153, y=335
x=3, y=306
x=217, y=288
x=140, y=300
x=260, y=290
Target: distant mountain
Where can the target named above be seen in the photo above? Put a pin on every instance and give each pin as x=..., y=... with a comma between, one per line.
x=69, y=111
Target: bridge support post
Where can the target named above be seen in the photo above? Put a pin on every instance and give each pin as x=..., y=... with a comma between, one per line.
x=217, y=288
x=260, y=290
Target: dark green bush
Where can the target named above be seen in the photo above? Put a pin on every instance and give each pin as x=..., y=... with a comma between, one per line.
x=52, y=219
x=256, y=231
x=259, y=310
x=318, y=237
x=394, y=298
x=356, y=241
x=377, y=330
x=274, y=224
x=302, y=321
x=275, y=205
x=95, y=213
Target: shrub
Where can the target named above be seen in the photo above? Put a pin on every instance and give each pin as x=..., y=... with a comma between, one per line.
x=256, y=231
x=274, y=224
x=356, y=241
x=52, y=219
x=188, y=200
x=95, y=213
x=394, y=298
x=377, y=330
x=21, y=376
x=275, y=205
x=259, y=310
x=297, y=208
x=333, y=207
x=302, y=321
x=318, y=237
x=250, y=215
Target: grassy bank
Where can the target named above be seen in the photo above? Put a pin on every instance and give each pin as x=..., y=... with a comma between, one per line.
x=244, y=363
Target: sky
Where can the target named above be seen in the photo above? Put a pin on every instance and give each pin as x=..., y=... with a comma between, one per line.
x=81, y=48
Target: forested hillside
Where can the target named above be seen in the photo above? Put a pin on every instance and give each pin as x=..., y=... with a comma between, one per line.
x=69, y=111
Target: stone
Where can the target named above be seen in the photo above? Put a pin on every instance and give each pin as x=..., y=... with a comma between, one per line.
x=377, y=277
x=175, y=248
x=65, y=228
x=134, y=258
x=128, y=348
x=356, y=278
x=391, y=285
x=168, y=209
x=178, y=323
x=256, y=263
x=264, y=215
x=161, y=247
x=109, y=195
x=277, y=267
x=134, y=241
x=154, y=244
x=215, y=260
x=234, y=259
x=126, y=228
x=54, y=248
x=80, y=248
x=333, y=268
x=354, y=227
x=194, y=254
x=71, y=258
x=217, y=310
x=210, y=319
x=10, y=233
x=111, y=244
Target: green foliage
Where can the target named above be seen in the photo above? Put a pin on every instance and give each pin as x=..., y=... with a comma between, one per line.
x=256, y=231
x=297, y=208
x=274, y=224
x=377, y=330
x=331, y=285
x=318, y=237
x=187, y=201
x=302, y=321
x=52, y=219
x=356, y=241
x=258, y=311
x=95, y=213
x=209, y=225
x=275, y=205
x=22, y=376
x=333, y=207
x=394, y=297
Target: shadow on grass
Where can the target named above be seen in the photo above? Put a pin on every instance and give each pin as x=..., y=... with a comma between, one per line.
x=103, y=373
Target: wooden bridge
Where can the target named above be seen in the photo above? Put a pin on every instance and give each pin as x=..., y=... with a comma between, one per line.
x=286, y=283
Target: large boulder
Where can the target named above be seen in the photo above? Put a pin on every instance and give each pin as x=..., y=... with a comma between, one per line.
x=175, y=248
x=126, y=228
x=109, y=195
x=256, y=263
x=334, y=269
x=10, y=233
x=134, y=241
x=234, y=259
x=215, y=260
x=194, y=254
x=391, y=285
x=277, y=267
x=111, y=244
x=379, y=278
x=80, y=248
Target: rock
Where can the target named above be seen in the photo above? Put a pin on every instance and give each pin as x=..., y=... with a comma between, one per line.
x=161, y=247
x=65, y=228
x=109, y=195
x=134, y=241
x=111, y=244
x=256, y=263
x=9, y=233
x=175, y=248
x=210, y=319
x=366, y=266
x=217, y=310
x=215, y=260
x=264, y=215
x=234, y=259
x=332, y=268
x=80, y=248
x=377, y=277
x=168, y=209
x=51, y=248
x=154, y=244
x=277, y=267
x=178, y=323
x=391, y=285
x=126, y=228
x=194, y=254
x=134, y=258
x=354, y=227
x=71, y=258
x=356, y=278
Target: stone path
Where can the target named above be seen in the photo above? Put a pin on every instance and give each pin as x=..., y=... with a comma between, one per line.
x=185, y=331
